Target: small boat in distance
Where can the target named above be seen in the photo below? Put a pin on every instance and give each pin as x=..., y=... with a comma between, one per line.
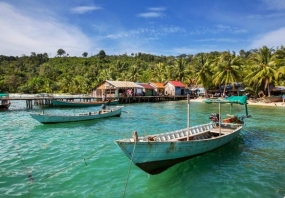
x=156, y=153
x=60, y=103
x=4, y=101
x=50, y=118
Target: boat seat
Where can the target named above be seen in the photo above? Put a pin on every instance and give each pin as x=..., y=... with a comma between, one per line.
x=193, y=132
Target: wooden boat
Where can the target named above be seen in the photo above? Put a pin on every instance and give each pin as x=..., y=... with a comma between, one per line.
x=4, y=101
x=156, y=153
x=60, y=103
x=270, y=99
x=49, y=118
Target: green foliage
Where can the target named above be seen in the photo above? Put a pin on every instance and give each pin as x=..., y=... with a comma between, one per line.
x=60, y=52
x=85, y=54
x=38, y=73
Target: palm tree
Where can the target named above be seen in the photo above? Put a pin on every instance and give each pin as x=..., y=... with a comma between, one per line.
x=202, y=73
x=263, y=64
x=280, y=65
x=134, y=72
x=159, y=73
x=179, y=68
x=227, y=69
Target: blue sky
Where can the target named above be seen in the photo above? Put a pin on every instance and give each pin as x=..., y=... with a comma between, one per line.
x=159, y=27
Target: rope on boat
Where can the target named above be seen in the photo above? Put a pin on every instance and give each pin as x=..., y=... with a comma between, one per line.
x=131, y=161
x=74, y=163
x=29, y=176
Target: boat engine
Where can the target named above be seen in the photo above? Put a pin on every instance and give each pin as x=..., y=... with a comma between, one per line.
x=214, y=117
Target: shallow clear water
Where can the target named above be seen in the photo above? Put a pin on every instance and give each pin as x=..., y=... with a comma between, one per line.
x=81, y=159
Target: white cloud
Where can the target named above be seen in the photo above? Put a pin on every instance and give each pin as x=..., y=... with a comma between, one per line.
x=224, y=40
x=21, y=34
x=271, y=39
x=149, y=33
x=155, y=12
x=268, y=16
x=84, y=9
x=274, y=4
x=157, y=9
x=151, y=15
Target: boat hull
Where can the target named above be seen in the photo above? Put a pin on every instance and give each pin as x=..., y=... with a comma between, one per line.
x=50, y=119
x=4, y=106
x=59, y=103
x=273, y=99
x=4, y=101
x=156, y=157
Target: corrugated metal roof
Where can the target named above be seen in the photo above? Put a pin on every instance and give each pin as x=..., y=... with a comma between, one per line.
x=158, y=85
x=146, y=85
x=176, y=83
x=124, y=84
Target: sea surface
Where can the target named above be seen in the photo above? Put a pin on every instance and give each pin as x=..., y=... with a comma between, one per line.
x=81, y=159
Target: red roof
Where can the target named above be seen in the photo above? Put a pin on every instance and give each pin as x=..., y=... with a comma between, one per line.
x=176, y=83
x=146, y=85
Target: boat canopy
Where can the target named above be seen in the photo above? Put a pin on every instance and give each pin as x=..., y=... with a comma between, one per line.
x=242, y=100
x=3, y=95
x=232, y=99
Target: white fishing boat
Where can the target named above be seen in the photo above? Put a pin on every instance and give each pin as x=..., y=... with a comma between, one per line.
x=156, y=153
x=50, y=118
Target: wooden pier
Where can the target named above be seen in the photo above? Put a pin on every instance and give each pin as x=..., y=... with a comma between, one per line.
x=46, y=101
x=138, y=99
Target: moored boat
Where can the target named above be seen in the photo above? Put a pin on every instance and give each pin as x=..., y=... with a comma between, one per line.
x=60, y=103
x=50, y=118
x=4, y=101
x=270, y=99
x=156, y=153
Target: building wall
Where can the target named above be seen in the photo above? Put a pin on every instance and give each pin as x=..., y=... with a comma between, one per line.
x=178, y=91
x=158, y=91
x=169, y=89
x=113, y=92
x=148, y=92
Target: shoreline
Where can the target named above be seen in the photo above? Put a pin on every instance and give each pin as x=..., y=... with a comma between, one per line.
x=200, y=99
x=272, y=104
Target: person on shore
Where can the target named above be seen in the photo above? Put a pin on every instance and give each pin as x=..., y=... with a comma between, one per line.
x=103, y=97
x=283, y=98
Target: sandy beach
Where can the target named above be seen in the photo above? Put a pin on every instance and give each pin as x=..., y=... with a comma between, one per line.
x=275, y=104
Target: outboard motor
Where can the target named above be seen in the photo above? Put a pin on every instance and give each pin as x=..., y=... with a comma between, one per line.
x=241, y=119
x=214, y=117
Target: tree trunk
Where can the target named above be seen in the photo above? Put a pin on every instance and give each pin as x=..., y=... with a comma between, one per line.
x=268, y=90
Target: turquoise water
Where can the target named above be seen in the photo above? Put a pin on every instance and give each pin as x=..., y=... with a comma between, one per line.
x=81, y=159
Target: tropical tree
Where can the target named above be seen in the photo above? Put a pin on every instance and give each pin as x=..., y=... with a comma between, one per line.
x=85, y=54
x=120, y=66
x=134, y=72
x=262, y=62
x=280, y=65
x=105, y=74
x=226, y=69
x=159, y=73
x=60, y=52
x=179, y=68
x=202, y=73
x=101, y=54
